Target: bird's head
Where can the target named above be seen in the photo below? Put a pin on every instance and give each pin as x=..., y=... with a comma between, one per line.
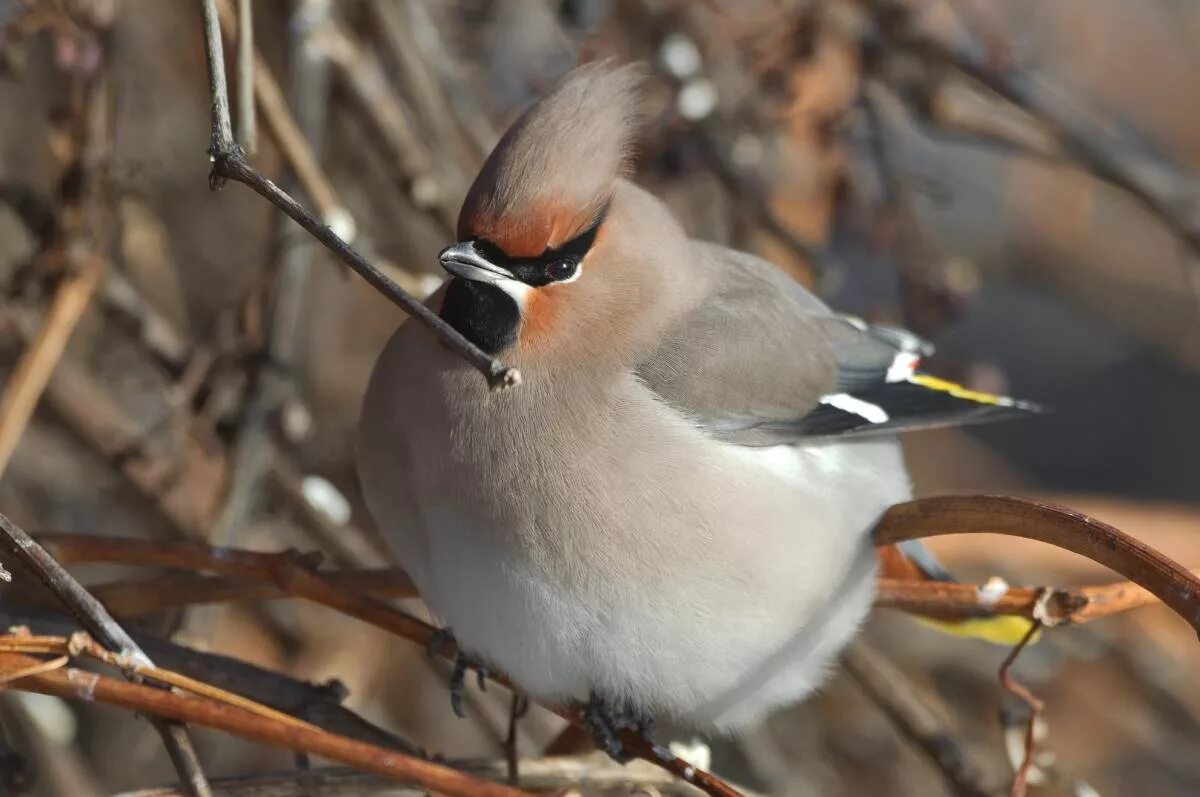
x=540, y=217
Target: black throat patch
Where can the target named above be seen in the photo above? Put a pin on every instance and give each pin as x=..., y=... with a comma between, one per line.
x=484, y=314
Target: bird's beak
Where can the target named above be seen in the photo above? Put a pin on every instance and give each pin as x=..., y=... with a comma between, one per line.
x=462, y=260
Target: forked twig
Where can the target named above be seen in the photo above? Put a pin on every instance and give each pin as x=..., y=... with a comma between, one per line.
x=1020, y=778
x=229, y=162
x=97, y=621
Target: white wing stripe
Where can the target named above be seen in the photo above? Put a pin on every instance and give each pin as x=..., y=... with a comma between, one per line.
x=864, y=409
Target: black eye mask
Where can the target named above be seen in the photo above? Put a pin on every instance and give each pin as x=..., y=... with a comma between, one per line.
x=557, y=264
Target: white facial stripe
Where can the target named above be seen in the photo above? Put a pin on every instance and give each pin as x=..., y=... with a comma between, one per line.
x=516, y=289
x=864, y=409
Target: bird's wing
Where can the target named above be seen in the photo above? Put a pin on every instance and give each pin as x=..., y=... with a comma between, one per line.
x=761, y=361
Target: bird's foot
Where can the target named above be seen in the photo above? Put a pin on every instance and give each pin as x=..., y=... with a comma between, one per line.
x=458, y=675
x=606, y=721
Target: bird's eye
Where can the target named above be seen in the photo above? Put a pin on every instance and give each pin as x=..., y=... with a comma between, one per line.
x=561, y=269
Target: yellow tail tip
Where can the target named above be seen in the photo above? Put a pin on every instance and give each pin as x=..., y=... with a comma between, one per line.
x=1007, y=630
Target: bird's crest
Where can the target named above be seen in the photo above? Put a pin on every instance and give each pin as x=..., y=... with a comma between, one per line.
x=553, y=172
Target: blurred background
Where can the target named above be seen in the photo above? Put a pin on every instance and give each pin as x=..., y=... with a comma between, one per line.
x=1018, y=180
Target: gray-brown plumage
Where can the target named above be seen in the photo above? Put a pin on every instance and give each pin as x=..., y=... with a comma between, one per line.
x=665, y=514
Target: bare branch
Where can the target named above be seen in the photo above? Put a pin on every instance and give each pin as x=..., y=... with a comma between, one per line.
x=914, y=718
x=282, y=126
x=230, y=163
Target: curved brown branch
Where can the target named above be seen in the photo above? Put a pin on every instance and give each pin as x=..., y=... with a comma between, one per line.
x=249, y=575
x=1055, y=525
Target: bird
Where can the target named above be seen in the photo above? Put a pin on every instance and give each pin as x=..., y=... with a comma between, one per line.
x=670, y=517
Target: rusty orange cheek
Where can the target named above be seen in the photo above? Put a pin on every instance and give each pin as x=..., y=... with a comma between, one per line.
x=540, y=313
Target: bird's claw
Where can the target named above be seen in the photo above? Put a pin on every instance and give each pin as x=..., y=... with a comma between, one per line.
x=458, y=675
x=605, y=722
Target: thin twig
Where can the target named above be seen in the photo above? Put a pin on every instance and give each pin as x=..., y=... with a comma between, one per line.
x=247, y=123
x=24, y=387
x=229, y=163
x=70, y=683
x=1036, y=705
x=1064, y=528
x=81, y=644
x=98, y=622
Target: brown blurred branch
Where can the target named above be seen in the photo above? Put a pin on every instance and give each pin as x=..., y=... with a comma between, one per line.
x=584, y=775
x=97, y=621
x=249, y=575
x=68, y=682
x=363, y=76
x=132, y=599
x=247, y=123
x=1155, y=183
x=24, y=387
x=1065, y=528
x=915, y=718
x=230, y=163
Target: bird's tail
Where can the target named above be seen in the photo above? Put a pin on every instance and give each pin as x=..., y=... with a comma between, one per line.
x=911, y=560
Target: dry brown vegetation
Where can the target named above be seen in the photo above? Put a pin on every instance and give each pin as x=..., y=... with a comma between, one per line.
x=1016, y=180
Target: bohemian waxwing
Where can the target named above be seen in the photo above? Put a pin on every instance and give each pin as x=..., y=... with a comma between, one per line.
x=670, y=516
